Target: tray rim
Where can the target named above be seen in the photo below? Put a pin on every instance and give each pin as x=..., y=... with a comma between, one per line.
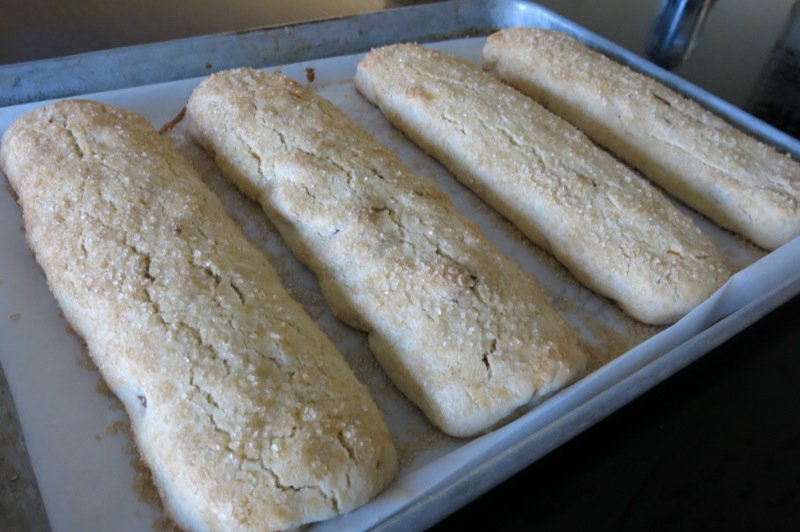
x=115, y=68
x=484, y=476
x=121, y=67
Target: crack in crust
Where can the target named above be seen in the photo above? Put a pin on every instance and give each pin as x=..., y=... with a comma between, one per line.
x=245, y=412
x=393, y=256
x=722, y=172
x=563, y=192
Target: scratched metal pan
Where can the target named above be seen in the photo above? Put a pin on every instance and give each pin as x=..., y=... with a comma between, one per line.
x=482, y=463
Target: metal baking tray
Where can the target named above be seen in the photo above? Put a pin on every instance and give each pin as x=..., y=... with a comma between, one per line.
x=459, y=470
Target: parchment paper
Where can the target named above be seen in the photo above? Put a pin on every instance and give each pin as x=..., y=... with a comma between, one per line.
x=89, y=474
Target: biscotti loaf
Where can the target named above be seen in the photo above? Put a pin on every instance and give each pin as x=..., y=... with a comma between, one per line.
x=613, y=230
x=461, y=330
x=737, y=181
x=245, y=412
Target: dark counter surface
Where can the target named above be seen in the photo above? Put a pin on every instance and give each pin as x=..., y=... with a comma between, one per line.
x=716, y=446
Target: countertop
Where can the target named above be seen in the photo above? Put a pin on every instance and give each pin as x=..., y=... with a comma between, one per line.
x=715, y=446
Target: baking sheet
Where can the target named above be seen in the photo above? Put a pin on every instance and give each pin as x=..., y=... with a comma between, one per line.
x=90, y=479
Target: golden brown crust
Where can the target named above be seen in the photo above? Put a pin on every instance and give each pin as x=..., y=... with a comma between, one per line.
x=245, y=412
x=460, y=329
x=614, y=231
x=708, y=164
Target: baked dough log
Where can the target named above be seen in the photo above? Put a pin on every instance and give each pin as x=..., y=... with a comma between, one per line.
x=461, y=330
x=613, y=230
x=245, y=412
x=729, y=176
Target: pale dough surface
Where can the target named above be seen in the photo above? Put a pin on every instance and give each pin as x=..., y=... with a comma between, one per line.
x=611, y=228
x=245, y=412
x=723, y=173
x=459, y=328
